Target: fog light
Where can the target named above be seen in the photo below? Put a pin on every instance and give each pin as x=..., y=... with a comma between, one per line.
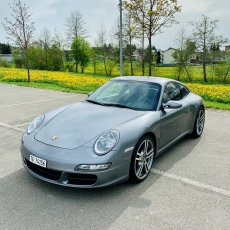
x=93, y=167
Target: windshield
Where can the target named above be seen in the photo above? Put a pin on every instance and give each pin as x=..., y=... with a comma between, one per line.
x=136, y=95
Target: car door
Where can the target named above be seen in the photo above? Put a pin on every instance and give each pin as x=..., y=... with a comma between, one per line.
x=174, y=122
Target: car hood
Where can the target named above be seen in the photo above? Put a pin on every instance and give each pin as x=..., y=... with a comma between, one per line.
x=82, y=122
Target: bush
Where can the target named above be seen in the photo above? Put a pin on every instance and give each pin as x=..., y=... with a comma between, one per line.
x=221, y=70
x=5, y=64
x=69, y=67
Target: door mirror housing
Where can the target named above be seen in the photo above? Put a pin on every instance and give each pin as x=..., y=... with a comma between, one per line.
x=172, y=105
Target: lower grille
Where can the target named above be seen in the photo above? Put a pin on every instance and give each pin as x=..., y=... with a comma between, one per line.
x=44, y=172
x=81, y=179
x=72, y=178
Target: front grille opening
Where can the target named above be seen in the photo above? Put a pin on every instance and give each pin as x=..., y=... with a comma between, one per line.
x=81, y=179
x=44, y=172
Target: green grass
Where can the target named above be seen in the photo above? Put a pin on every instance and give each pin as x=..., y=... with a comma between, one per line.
x=45, y=86
x=216, y=105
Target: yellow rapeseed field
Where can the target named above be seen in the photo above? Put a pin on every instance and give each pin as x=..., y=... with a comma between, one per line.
x=83, y=83
x=216, y=93
x=64, y=79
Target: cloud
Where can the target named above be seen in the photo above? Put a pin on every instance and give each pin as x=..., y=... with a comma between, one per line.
x=43, y=8
x=100, y=11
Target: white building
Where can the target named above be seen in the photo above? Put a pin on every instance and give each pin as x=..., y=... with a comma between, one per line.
x=167, y=56
x=7, y=57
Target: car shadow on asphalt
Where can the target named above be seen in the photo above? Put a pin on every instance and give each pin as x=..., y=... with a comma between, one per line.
x=176, y=153
x=94, y=208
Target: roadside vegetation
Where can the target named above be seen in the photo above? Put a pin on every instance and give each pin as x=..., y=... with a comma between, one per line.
x=215, y=95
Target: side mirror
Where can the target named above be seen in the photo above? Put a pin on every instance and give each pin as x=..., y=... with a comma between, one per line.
x=90, y=93
x=172, y=105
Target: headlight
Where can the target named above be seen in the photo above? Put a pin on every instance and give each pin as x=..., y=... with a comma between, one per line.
x=35, y=124
x=106, y=142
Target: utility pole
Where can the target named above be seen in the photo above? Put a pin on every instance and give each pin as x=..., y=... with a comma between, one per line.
x=121, y=46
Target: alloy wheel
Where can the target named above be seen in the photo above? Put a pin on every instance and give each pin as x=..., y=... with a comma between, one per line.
x=144, y=159
x=200, y=122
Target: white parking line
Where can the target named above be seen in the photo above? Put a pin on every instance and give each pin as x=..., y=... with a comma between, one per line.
x=12, y=127
x=22, y=92
x=22, y=124
x=31, y=102
x=192, y=182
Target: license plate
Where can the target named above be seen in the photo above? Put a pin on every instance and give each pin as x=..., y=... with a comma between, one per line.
x=38, y=161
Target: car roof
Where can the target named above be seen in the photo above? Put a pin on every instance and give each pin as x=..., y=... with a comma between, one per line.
x=159, y=80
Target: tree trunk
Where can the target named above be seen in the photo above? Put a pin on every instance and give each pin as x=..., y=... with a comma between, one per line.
x=188, y=74
x=150, y=56
x=143, y=49
x=204, y=53
x=143, y=64
x=94, y=66
x=226, y=73
x=46, y=59
x=130, y=57
x=28, y=72
x=106, y=72
x=204, y=72
x=28, y=69
x=143, y=55
x=131, y=66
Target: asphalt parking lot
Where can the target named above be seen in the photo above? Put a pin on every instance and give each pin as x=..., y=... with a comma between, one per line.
x=188, y=187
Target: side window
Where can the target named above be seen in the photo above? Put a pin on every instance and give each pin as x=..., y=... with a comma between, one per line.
x=183, y=91
x=171, y=92
x=166, y=97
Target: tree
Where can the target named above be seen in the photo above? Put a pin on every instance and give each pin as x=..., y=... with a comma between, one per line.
x=100, y=43
x=47, y=52
x=185, y=49
x=5, y=49
x=130, y=31
x=45, y=43
x=21, y=29
x=75, y=26
x=56, y=57
x=204, y=36
x=19, y=59
x=37, y=58
x=158, y=57
x=182, y=57
x=221, y=68
x=93, y=55
x=115, y=34
x=152, y=15
x=81, y=52
x=52, y=60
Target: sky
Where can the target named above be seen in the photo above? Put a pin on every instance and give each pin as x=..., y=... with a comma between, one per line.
x=51, y=14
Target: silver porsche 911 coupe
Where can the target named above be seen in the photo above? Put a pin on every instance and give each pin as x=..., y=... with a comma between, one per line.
x=114, y=135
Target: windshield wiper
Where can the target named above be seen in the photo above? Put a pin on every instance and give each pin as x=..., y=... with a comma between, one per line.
x=120, y=106
x=96, y=102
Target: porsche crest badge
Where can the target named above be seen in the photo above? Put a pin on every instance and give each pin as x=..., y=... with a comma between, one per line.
x=54, y=138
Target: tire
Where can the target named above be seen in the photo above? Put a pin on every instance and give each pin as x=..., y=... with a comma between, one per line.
x=142, y=159
x=199, y=123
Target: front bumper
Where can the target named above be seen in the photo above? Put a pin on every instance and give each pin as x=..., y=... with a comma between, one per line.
x=62, y=162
